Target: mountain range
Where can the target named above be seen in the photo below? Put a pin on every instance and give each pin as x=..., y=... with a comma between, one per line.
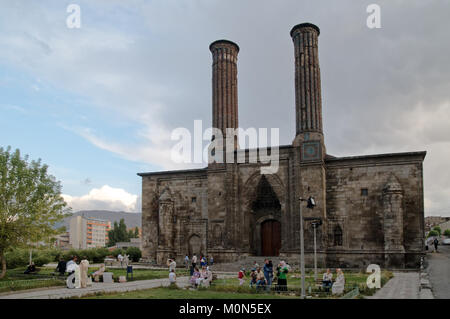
x=131, y=219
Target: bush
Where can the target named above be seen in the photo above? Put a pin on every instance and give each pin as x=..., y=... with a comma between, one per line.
x=134, y=253
x=433, y=233
x=447, y=232
x=20, y=257
x=42, y=258
x=117, y=251
x=17, y=258
x=438, y=229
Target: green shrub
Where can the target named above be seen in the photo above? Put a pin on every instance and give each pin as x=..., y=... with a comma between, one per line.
x=17, y=258
x=134, y=253
x=438, y=229
x=20, y=257
x=117, y=251
x=433, y=233
x=447, y=232
x=42, y=258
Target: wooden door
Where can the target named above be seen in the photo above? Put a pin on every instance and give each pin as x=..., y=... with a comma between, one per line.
x=271, y=238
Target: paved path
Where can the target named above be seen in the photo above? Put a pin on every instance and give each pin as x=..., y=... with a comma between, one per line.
x=439, y=272
x=61, y=293
x=404, y=285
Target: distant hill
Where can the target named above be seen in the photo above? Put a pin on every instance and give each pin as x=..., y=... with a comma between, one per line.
x=131, y=219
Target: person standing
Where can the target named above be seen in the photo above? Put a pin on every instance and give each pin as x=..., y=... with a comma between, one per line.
x=61, y=267
x=70, y=266
x=120, y=258
x=171, y=264
x=241, y=276
x=282, y=271
x=194, y=261
x=211, y=260
x=186, y=261
x=435, y=243
x=268, y=272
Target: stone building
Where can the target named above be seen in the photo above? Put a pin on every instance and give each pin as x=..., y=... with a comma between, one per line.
x=371, y=207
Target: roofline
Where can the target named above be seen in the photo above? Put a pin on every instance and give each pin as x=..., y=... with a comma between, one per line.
x=180, y=171
x=410, y=154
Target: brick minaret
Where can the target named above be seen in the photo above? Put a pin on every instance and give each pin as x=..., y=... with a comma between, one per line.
x=224, y=86
x=308, y=100
x=309, y=166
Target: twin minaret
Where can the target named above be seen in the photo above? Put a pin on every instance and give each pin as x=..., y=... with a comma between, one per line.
x=308, y=99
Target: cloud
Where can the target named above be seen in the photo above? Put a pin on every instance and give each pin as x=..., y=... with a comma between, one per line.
x=147, y=64
x=104, y=198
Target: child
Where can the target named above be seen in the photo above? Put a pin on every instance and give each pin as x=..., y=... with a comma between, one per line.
x=241, y=276
x=172, y=277
x=253, y=276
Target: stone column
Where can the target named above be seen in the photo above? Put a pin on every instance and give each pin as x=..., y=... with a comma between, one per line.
x=393, y=223
x=224, y=86
x=309, y=170
x=166, y=231
x=308, y=100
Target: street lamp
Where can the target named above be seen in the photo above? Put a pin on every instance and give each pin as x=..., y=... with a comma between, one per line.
x=310, y=204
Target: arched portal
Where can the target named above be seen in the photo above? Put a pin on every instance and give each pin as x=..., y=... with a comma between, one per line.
x=270, y=238
x=195, y=245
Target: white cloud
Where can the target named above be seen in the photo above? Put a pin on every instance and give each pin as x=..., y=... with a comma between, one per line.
x=104, y=198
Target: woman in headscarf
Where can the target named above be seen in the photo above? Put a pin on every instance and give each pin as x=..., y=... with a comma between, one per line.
x=339, y=284
x=282, y=271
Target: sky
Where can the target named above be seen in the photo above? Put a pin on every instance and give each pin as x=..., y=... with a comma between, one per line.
x=98, y=103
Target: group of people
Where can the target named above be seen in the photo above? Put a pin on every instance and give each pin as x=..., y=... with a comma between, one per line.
x=337, y=287
x=124, y=260
x=80, y=270
x=202, y=277
x=263, y=277
x=433, y=243
x=204, y=261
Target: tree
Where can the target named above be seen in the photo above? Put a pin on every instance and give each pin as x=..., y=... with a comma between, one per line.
x=134, y=253
x=30, y=203
x=447, y=232
x=438, y=229
x=136, y=232
x=118, y=233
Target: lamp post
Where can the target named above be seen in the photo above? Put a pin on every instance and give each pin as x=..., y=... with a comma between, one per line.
x=302, y=254
x=311, y=204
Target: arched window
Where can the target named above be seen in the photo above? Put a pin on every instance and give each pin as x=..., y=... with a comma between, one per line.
x=338, y=235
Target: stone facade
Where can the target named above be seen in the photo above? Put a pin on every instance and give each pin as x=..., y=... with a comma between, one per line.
x=371, y=207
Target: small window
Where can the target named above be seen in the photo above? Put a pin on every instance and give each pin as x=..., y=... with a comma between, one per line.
x=194, y=199
x=338, y=236
x=364, y=192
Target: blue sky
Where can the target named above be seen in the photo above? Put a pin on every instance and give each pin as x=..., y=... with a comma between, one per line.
x=98, y=104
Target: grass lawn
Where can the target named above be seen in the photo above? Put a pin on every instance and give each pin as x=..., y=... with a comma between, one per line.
x=171, y=293
x=229, y=288
x=16, y=280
